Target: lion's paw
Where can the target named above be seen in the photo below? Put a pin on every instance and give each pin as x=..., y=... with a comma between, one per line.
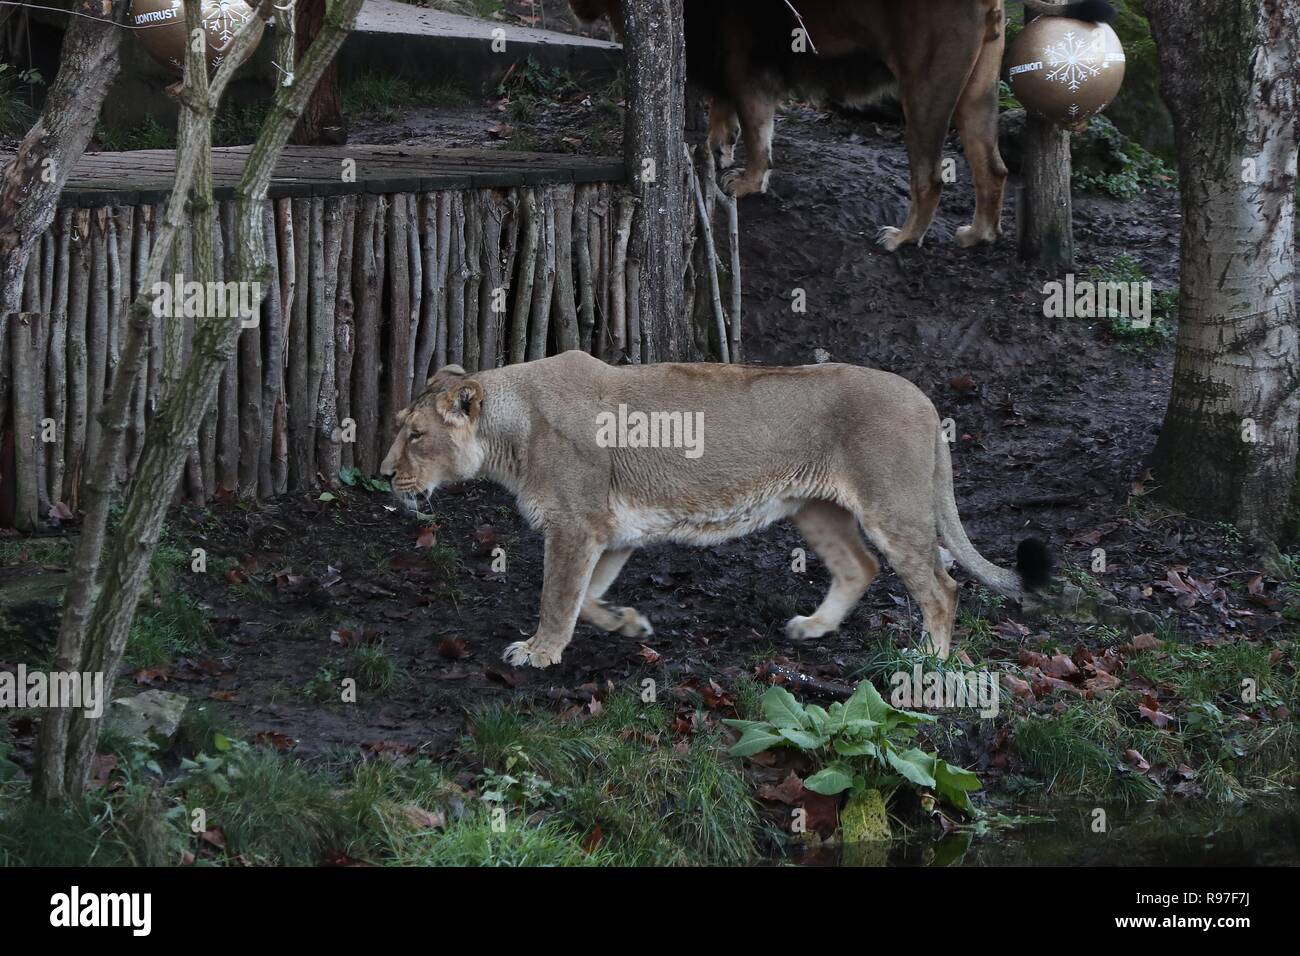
x=522, y=654
x=889, y=238
x=972, y=235
x=739, y=183
x=805, y=628
x=634, y=623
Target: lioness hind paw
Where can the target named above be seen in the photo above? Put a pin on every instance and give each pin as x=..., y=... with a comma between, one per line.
x=522, y=654
x=634, y=623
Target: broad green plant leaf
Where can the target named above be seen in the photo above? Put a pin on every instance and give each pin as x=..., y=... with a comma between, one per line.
x=915, y=765
x=781, y=708
x=830, y=781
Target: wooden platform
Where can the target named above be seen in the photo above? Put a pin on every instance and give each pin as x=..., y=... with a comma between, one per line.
x=146, y=176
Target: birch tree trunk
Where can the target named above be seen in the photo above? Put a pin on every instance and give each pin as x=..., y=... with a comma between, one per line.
x=1227, y=449
x=31, y=182
x=653, y=144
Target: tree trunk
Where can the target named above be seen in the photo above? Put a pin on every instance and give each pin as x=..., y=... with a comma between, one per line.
x=1227, y=449
x=322, y=120
x=97, y=620
x=654, y=150
x=1044, y=205
x=31, y=182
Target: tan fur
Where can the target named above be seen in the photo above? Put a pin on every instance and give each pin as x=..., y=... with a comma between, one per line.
x=838, y=450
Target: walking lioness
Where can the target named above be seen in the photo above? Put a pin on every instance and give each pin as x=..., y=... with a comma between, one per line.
x=604, y=460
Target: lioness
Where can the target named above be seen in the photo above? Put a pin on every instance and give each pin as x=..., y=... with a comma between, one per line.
x=944, y=55
x=604, y=460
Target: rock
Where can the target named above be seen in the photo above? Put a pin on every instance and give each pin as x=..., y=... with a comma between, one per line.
x=153, y=715
x=1139, y=111
x=1072, y=603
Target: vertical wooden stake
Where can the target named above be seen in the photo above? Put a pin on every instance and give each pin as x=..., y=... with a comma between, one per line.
x=24, y=332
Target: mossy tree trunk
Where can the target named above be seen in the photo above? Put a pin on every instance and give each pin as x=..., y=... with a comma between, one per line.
x=654, y=148
x=110, y=570
x=1227, y=450
x=31, y=182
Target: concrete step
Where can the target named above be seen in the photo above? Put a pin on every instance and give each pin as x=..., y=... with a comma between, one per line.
x=421, y=45
x=430, y=46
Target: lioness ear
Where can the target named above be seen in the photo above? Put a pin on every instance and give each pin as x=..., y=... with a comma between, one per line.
x=445, y=370
x=461, y=405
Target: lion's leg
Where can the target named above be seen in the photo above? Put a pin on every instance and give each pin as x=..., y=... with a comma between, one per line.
x=833, y=533
x=927, y=128
x=930, y=91
x=627, y=621
x=724, y=128
x=757, y=122
x=977, y=123
x=913, y=552
x=571, y=554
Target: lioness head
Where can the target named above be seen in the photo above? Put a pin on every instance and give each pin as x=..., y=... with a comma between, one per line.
x=437, y=439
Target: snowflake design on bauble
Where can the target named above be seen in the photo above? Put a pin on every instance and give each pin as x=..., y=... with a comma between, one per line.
x=1075, y=61
x=226, y=19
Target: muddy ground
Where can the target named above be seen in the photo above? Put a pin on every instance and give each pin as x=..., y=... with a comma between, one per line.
x=1056, y=418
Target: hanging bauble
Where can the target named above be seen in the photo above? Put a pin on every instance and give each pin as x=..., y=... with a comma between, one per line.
x=1067, y=70
x=160, y=26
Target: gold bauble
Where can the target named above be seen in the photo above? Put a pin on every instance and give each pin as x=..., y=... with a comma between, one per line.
x=1067, y=70
x=160, y=27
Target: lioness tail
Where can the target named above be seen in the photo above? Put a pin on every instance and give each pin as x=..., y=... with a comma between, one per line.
x=1033, y=560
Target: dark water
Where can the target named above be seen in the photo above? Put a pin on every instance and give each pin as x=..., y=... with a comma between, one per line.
x=1146, y=835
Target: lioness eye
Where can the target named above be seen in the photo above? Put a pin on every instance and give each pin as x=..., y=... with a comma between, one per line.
x=415, y=435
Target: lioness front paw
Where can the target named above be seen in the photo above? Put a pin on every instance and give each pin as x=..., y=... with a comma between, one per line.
x=806, y=628
x=526, y=653
x=634, y=623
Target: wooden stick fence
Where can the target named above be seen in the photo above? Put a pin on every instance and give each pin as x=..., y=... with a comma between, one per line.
x=370, y=293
